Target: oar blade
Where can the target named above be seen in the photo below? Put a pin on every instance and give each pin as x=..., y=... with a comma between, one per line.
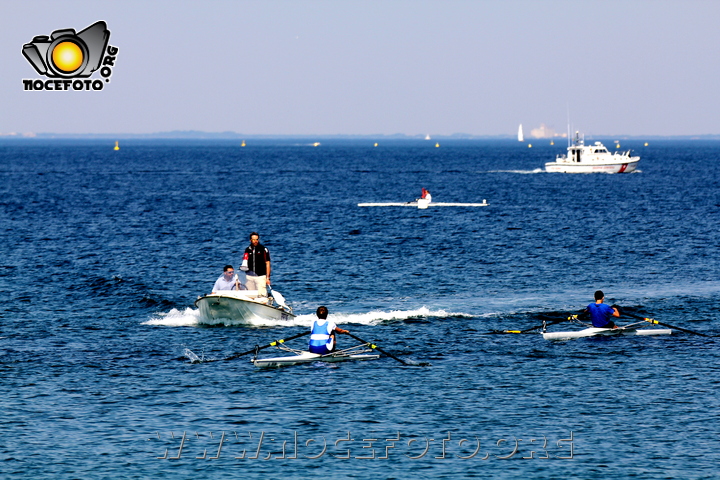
x=375, y=347
x=655, y=322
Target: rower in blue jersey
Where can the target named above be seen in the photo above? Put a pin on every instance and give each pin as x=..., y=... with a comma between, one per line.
x=322, y=333
x=600, y=313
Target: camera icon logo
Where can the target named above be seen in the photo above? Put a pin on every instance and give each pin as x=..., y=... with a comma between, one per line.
x=67, y=54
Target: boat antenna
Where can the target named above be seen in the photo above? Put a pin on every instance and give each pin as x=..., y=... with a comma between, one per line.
x=568, y=123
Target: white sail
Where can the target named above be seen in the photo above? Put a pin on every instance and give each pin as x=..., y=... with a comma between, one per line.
x=520, y=134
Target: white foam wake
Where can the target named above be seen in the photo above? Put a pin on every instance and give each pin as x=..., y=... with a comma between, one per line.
x=175, y=318
x=191, y=317
x=378, y=316
x=525, y=172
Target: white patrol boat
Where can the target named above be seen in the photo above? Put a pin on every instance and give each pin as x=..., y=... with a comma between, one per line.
x=243, y=306
x=595, y=158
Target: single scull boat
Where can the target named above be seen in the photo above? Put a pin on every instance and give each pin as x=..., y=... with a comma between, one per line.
x=423, y=204
x=605, y=332
x=358, y=352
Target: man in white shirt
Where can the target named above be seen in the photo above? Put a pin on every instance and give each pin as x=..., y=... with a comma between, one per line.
x=228, y=280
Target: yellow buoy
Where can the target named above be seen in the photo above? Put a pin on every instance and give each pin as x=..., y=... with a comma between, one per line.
x=243, y=143
x=437, y=145
x=117, y=147
x=646, y=144
x=375, y=145
x=552, y=143
x=529, y=145
x=316, y=144
x=617, y=146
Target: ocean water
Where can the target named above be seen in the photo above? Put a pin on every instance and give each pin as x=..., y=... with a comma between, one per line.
x=104, y=252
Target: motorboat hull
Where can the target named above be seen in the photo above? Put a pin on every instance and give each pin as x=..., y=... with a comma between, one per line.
x=604, y=332
x=243, y=306
x=589, y=167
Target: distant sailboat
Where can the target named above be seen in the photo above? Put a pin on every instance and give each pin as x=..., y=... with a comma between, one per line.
x=427, y=137
x=520, y=134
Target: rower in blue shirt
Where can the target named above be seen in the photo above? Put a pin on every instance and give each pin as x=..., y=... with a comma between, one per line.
x=322, y=333
x=600, y=313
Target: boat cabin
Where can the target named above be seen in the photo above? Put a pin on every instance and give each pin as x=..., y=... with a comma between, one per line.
x=599, y=148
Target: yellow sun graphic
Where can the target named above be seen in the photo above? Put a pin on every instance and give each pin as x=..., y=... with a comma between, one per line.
x=67, y=56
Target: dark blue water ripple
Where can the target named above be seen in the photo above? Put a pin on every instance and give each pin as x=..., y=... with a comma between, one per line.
x=97, y=245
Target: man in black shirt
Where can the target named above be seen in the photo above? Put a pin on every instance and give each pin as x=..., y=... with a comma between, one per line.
x=256, y=263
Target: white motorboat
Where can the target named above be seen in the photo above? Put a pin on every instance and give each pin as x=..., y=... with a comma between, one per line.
x=423, y=204
x=243, y=306
x=606, y=332
x=594, y=158
x=359, y=352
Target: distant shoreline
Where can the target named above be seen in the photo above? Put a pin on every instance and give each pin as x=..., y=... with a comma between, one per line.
x=197, y=135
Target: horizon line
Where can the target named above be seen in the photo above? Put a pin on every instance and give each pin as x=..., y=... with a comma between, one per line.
x=199, y=134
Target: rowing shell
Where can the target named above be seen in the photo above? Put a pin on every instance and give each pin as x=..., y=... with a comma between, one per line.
x=423, y=205
x=604, y=332
x=307, y=357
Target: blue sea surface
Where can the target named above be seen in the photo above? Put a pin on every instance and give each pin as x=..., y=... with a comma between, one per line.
x=104, y=252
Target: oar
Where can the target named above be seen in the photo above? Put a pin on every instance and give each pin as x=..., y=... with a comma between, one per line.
x=655, y=322
x=279, y=299
x=271, y=344
x=375, y=347
x=551, y=322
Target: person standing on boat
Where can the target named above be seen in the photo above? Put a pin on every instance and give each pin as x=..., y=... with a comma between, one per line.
x=256, y=265
x=322, y=333
x=600, y=313
x=228, y=280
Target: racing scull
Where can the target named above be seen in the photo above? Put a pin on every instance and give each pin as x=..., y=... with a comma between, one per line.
x=359, y=352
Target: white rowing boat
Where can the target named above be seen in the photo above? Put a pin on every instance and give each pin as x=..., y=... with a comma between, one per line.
x=605, y=332
x=423, y=204
x=359, y=352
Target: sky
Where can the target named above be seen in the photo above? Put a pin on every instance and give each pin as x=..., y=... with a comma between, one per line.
x=376, y=67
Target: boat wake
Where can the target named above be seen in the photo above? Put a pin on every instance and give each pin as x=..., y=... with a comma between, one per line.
x=176, y=318
x=378, y=316
x=191, y=317
x=523, y=172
